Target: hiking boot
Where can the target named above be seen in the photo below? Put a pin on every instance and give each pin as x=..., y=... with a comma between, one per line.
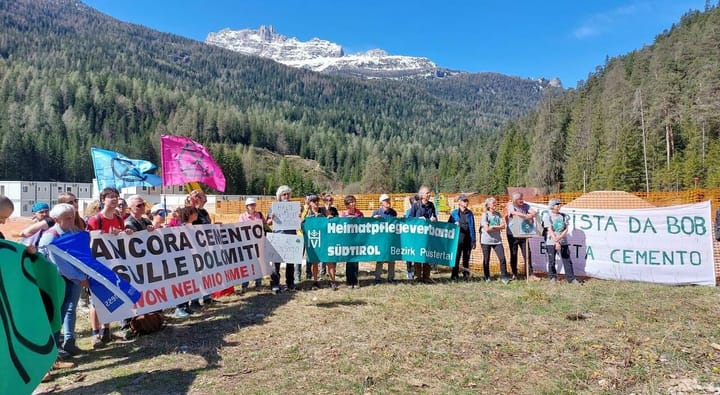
x=60, y=364
x=488, y=279
x=106, y=337
x=71, y=348
x=575, y=281
x=275, y=290
x=553, y=280
x=334, y=286
x=315, y=285
x=505, y=280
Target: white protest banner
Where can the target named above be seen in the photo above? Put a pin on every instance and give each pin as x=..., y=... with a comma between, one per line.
x=285, y=248
x=668, y=245
x=285, y=215
x=172, y=265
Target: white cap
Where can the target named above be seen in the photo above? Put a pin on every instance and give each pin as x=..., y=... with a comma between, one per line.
x=384, y=196
x=156, y=208
x=250, y=201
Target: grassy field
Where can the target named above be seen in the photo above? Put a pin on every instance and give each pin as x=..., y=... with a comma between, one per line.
x=521, y=338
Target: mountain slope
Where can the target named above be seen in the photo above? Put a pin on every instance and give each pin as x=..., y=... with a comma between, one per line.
x=657, y=108
x=322, y=55
x=72, y=77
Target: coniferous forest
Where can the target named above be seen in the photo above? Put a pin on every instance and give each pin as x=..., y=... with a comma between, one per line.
x=72, y=78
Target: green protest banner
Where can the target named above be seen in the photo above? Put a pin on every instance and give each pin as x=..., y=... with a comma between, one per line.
x=372, y=239
x=31, y=292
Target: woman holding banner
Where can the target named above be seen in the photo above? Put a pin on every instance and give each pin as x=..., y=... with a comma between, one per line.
x=282, y=195
x=64, y=215
x=251, y=214
x=352, y=269
x=315, y=210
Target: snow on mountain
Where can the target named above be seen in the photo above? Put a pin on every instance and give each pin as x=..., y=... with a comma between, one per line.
x=323, y=56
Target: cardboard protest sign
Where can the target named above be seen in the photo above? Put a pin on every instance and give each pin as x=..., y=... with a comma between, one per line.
x=285, y=248
x=285, y=215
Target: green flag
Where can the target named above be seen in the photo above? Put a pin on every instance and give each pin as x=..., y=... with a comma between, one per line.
x=31, y=292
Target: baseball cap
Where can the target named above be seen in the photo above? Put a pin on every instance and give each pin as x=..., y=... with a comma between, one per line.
x=384, y=196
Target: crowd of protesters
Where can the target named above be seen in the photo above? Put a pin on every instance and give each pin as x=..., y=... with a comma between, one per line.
x=114, y=215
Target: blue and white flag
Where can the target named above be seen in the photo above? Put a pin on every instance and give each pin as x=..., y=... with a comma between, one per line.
x=113, y=169
x=74, y=249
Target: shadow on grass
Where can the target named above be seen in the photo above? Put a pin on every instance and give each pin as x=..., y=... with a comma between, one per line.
x=329, y=305
x=202, y=334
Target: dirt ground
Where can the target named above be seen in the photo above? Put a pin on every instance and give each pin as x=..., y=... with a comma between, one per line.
x=13, y=226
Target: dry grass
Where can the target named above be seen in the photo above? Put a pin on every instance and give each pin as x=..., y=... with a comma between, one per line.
x=537, y=338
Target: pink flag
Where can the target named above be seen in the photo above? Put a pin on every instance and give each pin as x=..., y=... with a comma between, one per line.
x=184, y=160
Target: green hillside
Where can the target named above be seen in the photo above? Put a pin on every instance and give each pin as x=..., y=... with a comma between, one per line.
x=71, y=78
x=657, y=108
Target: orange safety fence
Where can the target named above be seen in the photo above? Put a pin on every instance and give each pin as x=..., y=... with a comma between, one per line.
x=229, y=211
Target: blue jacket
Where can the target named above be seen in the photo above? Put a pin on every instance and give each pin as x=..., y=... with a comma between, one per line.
x=455, y=219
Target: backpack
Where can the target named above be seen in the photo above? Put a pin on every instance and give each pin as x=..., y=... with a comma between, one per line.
x=147, y=323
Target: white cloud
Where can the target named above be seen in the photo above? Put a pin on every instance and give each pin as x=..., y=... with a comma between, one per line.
x=603, y=22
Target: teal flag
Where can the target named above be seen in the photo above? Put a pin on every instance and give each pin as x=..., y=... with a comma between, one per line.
x=31, y=292
x=372, y=239
x=113, y=169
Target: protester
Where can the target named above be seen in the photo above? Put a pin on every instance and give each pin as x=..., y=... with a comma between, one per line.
x=40, y=211
x=198, y=199
x=6, y=209
x=423, y=208
x=517, y=209
x=466, y=241
x=123, y=209
x=409, y=265
x=315, y=210
x=352, y=269
x=64, y=215
x=282, y=195
x=136, y=221
x=331, y=212
x=157, y=216
x=175, y=219
x=188, y=215
x=108, y=220
x=492, y=224
x=30, y=235
x=385, y=211
x=556, y=228
x=251, y=214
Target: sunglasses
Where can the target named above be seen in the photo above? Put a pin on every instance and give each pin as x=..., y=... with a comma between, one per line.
x=140, y=205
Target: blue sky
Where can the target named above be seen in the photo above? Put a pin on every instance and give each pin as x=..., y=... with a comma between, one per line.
x=565, y=39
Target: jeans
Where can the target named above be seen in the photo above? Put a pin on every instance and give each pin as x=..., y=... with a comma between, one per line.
x=486, y=259
x=68, y=312
x=352, y=269
x=391, y=271
x=464, y=249
x=514, y=244
x=567, y=263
